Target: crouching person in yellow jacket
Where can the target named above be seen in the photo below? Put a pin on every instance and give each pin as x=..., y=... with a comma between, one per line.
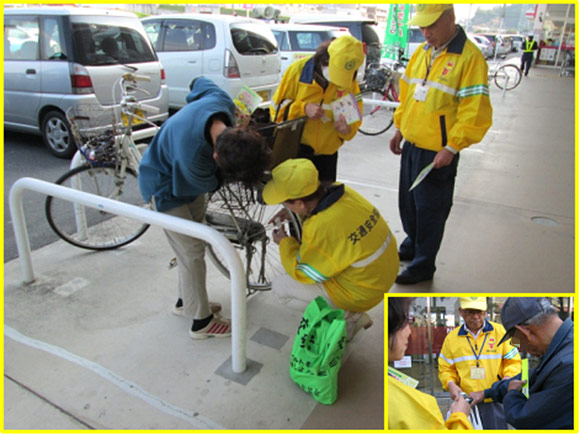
x=347, y=253
x=472, y=359
x=409, y=408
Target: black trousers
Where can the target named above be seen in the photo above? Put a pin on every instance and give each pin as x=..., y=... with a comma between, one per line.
x=425, y=209
x=326, y=164
x=527, y=59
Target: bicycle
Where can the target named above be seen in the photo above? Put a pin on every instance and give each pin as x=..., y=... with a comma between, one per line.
x=235, y=210
x=110, y=169
x=506, y=76
x=380, y=85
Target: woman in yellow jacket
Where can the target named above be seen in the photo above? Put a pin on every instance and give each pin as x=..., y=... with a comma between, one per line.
x=409, y=408
x=347, y=253
x=308, y=88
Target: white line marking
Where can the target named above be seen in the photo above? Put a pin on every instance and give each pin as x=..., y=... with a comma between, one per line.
x=368, y=185
x=197, y=420
x=71, y=286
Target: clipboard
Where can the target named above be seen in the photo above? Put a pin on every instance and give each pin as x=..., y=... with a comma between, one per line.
x=424, y=173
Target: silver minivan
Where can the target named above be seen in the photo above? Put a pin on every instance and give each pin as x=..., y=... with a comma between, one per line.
x=58, y=57
x=231, y=51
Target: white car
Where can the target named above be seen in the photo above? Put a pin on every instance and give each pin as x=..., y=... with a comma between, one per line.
x=231, y=51
x=483, y=44
x=61, y=58
x=297, y=41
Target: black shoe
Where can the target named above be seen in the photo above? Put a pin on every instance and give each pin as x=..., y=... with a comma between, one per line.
x=409, y=278
x=405, y=256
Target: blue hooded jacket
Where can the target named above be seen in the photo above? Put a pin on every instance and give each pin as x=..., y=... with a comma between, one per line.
x=179, y=165
x=551, y=402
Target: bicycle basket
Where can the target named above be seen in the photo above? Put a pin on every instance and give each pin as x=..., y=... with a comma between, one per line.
x=94, y=129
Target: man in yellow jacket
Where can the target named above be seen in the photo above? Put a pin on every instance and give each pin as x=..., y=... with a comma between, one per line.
x=444, y=108
x=347, y=253
x=309, y=87
x=471, y=359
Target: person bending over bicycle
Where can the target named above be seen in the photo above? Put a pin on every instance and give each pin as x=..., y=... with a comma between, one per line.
x=195, y=149
x=348, y=254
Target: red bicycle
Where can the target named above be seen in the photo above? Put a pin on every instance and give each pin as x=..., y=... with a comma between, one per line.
x=380, y=85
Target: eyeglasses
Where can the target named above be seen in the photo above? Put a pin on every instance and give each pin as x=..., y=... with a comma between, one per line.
x=410, y=319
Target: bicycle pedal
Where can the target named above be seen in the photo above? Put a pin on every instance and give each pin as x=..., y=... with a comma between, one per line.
x=172, y=263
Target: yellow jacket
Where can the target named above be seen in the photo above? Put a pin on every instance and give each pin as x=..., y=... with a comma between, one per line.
x=348, y=247
x=410, y=409
x=297, y=88
x=457, y=110
x=457, y=358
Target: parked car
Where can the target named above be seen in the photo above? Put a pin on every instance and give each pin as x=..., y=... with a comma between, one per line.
x=55, y=58
x=415, y=39
x=231, y=51
x=499, y=46
x=483, y=44
x=297, y=41
x=362, y=29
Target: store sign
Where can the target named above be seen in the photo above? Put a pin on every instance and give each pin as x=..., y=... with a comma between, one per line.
x=396, y=34
x=405, y=362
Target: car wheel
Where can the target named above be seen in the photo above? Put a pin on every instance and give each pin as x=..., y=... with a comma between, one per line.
x=57, y=135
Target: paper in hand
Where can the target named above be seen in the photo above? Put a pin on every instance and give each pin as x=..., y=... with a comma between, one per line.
x=424, y=173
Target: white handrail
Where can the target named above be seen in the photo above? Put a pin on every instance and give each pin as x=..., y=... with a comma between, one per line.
x=381, y=102
x=180, y=225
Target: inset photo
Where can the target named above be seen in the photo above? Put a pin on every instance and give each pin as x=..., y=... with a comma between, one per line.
x=480, y=363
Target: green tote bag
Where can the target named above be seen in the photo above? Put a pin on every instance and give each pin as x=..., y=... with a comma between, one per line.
x=317, y=351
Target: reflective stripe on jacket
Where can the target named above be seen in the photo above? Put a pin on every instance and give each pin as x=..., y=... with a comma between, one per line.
x=298, y=87
x=457, y=110
x=457, y=358
x=348, y=247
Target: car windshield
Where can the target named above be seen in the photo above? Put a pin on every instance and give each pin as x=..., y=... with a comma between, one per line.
x=308, y=40
x=253, y=39
x=109, y=41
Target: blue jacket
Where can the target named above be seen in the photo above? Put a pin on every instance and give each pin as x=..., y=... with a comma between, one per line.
x=551, y=402
x=179, y=165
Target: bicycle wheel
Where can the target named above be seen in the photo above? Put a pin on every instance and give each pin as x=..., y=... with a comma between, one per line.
x=511, y=73
x=238, y=213
x=376, y=119
x=90, y=228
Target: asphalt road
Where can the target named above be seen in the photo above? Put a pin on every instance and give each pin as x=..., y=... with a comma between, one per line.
x=26, y=156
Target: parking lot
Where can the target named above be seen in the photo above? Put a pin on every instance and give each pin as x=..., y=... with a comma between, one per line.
x=108, y=353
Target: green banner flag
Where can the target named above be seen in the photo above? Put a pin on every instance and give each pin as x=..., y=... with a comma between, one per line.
x=396, y=34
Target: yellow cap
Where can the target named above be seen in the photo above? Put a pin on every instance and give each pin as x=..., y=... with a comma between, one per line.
x=428, y=14
x=477, y=303
x=346, y=55
x=292, y=179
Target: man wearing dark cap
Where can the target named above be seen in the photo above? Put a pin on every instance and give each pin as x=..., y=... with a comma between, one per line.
x=534, y=327
x=444, y=109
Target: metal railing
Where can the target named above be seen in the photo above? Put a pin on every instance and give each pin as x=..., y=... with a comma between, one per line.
x=180, y=225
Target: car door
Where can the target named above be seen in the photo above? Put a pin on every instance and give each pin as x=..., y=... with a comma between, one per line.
x=22, y=70
x=179, y=48
x=286, y=55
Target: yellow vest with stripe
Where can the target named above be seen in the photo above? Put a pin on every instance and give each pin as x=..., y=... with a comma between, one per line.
x=349, y=248
x=529, y=46
x=457, y=358
x=410, y=409
x=457, y=110
x=298, y=88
